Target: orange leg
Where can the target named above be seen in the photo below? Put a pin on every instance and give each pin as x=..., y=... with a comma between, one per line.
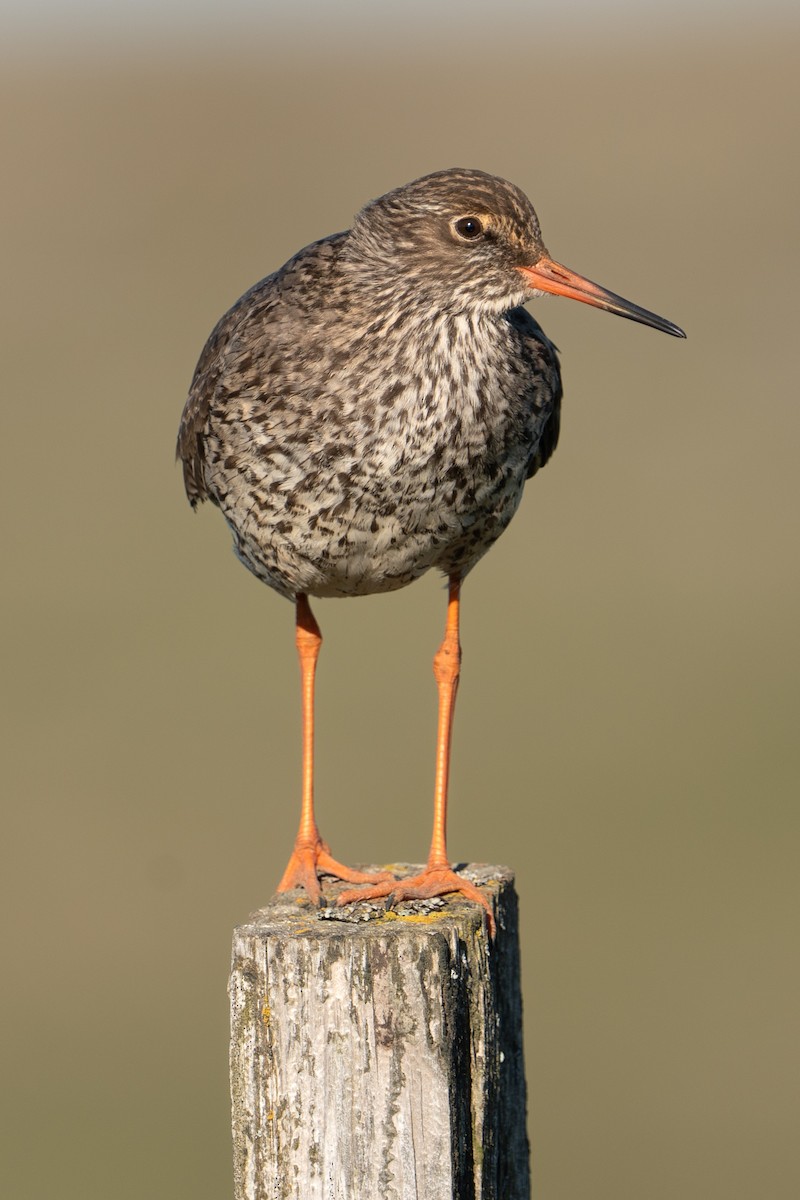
x=438, y=878
x=311, y=856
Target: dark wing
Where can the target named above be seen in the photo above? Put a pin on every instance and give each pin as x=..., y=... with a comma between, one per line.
x=543, y=360
x=190, y=448
x=237, y=357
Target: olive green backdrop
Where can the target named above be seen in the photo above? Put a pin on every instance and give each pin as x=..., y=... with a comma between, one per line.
x=627, y=733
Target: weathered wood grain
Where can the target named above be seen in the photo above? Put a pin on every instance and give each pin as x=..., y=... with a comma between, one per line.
x=379, y=1059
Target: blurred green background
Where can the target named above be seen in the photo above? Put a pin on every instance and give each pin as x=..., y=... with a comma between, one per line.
x=627, y=733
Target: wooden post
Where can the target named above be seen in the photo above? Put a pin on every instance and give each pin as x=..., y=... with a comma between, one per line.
x=379, y=1058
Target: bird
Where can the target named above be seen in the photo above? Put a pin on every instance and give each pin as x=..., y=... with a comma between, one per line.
x=372, y=411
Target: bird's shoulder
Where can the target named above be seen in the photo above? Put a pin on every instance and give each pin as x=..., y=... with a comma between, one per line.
x=542, y=357
x=246, y=343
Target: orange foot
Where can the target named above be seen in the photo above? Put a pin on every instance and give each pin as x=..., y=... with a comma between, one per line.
x=433, y=881
x=312, y=859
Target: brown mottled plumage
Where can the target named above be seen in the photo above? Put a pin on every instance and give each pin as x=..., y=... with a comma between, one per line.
x=374, y=408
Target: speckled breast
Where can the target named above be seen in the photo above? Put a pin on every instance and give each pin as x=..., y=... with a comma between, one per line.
x=371, y=501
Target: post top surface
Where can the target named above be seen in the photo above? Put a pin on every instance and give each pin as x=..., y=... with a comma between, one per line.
x=291, y=914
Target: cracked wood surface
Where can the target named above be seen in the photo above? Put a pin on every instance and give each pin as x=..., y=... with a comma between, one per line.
x=379, y=1058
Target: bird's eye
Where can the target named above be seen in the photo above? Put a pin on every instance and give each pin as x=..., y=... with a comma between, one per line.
x=468, y=228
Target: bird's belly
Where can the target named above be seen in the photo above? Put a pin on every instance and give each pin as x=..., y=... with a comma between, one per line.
x=370, y=534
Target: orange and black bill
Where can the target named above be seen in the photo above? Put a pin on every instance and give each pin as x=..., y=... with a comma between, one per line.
x=545, y=275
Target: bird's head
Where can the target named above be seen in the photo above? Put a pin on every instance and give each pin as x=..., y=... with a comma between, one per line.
x=465, y=240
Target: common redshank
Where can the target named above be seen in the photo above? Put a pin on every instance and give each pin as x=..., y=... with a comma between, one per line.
x=372, y=410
